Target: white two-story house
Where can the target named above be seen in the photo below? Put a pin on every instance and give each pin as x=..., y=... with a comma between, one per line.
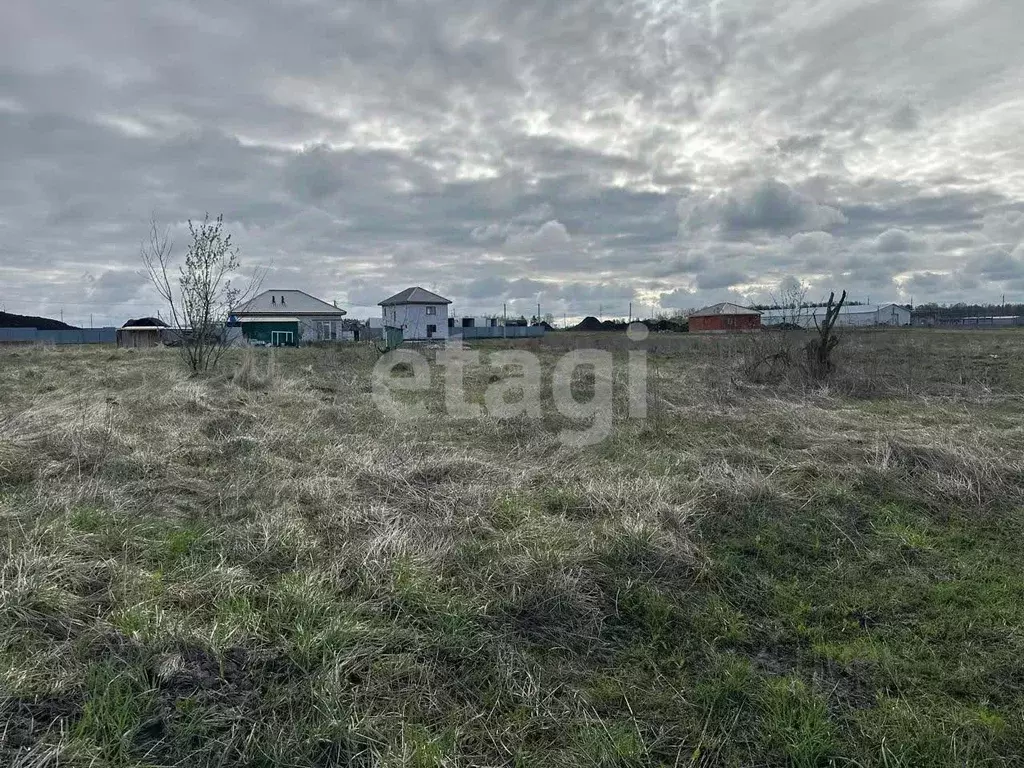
x=419, y=313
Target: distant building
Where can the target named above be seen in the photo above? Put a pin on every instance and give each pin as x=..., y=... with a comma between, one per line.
x=724, y=318
x=286, y=318
x=850, y=315
x=142, y=332
x=473, y=322
x=952, y=318
x=420, y=314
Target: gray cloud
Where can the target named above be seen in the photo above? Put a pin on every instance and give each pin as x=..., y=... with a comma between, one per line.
x=898, y=241
x=550, y=236
x=905, y=118
x=796, y=144
x=996, y=264
x=811, y=242
x=768, y=206
x=727, y=278
x=607, y=151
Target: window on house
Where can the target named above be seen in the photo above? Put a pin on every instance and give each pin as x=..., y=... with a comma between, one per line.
x=431, y=330
x=431, y=310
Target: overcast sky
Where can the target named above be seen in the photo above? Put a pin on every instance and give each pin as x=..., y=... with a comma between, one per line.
x=580, y=153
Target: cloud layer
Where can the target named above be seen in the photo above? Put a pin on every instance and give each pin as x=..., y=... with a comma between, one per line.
x=584, y=154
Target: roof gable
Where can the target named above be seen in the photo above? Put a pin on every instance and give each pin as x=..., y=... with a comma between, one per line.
x=724, y=308
x=145, y=322
x=288, y=302
x=415, y=295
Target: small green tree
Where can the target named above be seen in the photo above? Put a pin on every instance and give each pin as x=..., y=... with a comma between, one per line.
x=200, y=300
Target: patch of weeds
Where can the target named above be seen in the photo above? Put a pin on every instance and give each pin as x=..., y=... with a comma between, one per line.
x=935, y=733
x=421, y=748
x=118, y=702
x=647, y=617
x=16, y=468
x=562, y=502
x=725, y=682
x=180, y=544
x=609, y=745
x=87, y=519
x=794, y=722
x=720, y=623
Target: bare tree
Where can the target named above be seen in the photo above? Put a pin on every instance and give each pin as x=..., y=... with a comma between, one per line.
x=201, y=296
x=819, y=350
x=792, y=300
x=771, y=355
x=774, y=354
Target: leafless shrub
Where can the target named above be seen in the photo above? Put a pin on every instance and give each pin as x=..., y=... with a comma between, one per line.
x=200, y=299
x=784, y=354
x=819, y=350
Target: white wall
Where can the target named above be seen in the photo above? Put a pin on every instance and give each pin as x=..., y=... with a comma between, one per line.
x=886, y=314
x=413, y=320
x=312, y=330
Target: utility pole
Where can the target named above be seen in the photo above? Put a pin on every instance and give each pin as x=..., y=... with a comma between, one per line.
x=62, y=314
x=504, y=320
x=630, y=318
x=565, y=323
x=538, y=312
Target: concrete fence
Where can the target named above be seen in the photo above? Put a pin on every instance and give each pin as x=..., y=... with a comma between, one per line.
x=77, y=336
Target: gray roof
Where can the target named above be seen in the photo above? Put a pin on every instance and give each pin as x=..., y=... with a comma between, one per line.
x=846, y=309
x=724, y=308
x=415, y=295
x=287, y=302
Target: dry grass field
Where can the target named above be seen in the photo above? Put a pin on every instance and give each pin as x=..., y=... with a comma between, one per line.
x=261, y=569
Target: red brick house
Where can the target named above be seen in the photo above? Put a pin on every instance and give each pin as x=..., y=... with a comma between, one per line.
x=725, y=318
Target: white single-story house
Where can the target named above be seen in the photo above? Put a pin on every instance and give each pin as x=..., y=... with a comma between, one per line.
x=420, y=314
x=849, y=316
x=288, y=317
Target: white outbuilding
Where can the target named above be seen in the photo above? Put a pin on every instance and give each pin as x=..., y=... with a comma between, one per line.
x=850, y=315
x=421, y=314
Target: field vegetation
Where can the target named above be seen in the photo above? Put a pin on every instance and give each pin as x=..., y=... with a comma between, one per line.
x=259, y=568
